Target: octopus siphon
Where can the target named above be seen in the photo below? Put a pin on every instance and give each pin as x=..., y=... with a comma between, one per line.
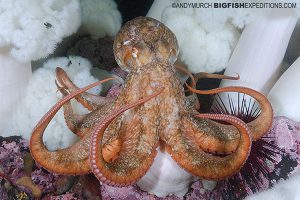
x=119, y=137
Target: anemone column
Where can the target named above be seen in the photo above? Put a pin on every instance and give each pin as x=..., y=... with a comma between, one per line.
x=259, y=53
x=14, y=77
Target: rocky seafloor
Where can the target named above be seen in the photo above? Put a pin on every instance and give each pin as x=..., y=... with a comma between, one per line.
x=22, y=178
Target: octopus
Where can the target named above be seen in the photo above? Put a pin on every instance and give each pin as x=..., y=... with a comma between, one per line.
x=120, y=136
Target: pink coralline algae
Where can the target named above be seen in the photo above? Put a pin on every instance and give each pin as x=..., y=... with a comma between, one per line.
x=3, y=193
x=11, y=161
x=287, y=133
x=45, y=180
x=67, y=196
x=283, y=140
x=129, y=193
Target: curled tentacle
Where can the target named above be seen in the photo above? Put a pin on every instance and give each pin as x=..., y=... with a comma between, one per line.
x=81, y=124
x=212, y=136
x=185, y=71
x=194, y=80
x=202, y=75
x=196, y=77
x=71, y=160
x=88, y=100
x=189, y=156
x=192, y=102
x=263, y=122
x=72, y=119
x=134, y=162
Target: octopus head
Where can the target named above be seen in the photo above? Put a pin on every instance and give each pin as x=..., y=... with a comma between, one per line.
x=143, y=40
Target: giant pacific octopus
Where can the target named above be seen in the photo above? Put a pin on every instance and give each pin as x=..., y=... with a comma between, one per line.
x=120, y=136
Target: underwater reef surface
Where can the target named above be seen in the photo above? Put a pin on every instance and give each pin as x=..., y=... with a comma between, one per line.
x=21, y=178
x=98, y=52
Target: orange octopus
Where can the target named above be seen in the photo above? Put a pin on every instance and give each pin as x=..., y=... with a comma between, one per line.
x=119, y=137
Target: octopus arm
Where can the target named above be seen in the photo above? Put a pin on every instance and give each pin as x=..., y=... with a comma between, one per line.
x=72, y=119
x=192, y=158
x=88, y=100
x=138, y=147
x=71, y=160
x=263, y=122
x=211, y=136
x=201, y=75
